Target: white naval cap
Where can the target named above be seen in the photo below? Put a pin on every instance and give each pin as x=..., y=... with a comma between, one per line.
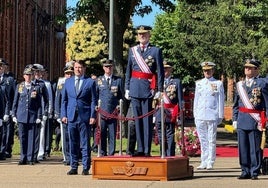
x=207, y=65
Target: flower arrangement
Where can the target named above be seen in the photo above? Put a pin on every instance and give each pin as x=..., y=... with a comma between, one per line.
x=191, y=141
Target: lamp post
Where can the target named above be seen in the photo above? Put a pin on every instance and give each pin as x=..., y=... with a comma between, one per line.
x=111, y=30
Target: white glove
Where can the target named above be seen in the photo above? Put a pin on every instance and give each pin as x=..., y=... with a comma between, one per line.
x=38, y=121
x=1, y=122
x=44, y=118
x=6, y=118
x=14, y=119
x=157, y=95
x=235, y=124
x=43, y=124
x=59, y=120
x=152, y=92
x=127, y=95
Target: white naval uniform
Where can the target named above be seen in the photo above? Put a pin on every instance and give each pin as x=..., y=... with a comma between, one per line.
x=44, y=123
x=208, y=113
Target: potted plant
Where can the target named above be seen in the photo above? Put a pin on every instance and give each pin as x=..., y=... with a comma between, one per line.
x=191, y=141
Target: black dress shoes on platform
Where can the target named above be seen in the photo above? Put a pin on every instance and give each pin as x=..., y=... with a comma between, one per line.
x=147, y=155
x=85, y=172
x=138, y=154
x=72, y=172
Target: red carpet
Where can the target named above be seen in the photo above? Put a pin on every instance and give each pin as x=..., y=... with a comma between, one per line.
x=231, y=151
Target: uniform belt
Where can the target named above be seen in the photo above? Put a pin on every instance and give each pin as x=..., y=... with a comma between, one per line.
x=261, y=112
x=169, y=105
x=142, y=75
x=247, y=110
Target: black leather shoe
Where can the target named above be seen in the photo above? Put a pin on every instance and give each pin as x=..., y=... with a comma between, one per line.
x=22, y=163
x=138, y=154
x=8, y=155
x=147, y=155
x=36, y=161
x=243, y=177
x=85, y=172
x=72, y=172
x=254, y=178
x=130, y=153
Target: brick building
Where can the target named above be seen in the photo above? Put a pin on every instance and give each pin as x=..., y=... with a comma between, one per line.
x=29, y=34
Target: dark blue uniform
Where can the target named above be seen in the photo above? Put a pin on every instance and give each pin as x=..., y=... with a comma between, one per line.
x=27, y=108
x=7, y=86
x=109, y=94
x=249, y=137
x=174, y=97
x=142, y=93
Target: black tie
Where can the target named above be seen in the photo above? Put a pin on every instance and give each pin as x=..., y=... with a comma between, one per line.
x=108, y=82
x=77, y=85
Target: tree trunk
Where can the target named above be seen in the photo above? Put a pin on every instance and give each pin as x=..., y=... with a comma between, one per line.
x=230, y=91
x=118, y=51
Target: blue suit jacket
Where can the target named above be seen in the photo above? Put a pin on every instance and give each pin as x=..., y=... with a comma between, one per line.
x=84, y=102
x=244, y=120
x=140, y=88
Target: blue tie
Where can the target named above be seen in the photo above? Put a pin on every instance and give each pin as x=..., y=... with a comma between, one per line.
x=77, y=85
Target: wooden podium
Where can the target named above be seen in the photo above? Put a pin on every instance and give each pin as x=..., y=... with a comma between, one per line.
x=141, y=168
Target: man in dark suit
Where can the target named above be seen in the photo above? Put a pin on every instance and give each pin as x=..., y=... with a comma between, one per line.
x=144, y=78
x=79, y=100
x=251, y=101
x=110, y=91
x=173, y=97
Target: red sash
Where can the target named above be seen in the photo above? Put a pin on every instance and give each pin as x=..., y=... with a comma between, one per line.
x=255, y=114
x=142, y=75
x=261, y=112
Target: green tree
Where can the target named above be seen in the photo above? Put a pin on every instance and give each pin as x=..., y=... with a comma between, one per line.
x=96, y=10
x=208, y=31
x=90, y=42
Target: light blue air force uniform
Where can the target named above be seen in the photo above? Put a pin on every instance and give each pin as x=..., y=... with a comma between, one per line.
x=208, y=113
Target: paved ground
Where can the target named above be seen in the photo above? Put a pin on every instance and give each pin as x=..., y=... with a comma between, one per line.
x=52, y=174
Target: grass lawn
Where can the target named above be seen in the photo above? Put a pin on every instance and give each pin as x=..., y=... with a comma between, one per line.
x=155, y=149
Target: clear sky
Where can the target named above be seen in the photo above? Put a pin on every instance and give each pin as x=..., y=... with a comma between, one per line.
x=137, y=20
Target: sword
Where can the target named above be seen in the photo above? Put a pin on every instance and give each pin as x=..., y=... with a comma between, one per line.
x=263, y=124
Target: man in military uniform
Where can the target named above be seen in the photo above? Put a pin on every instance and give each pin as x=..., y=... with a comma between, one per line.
x=249, y=111
x=173, y=98
x=109, y=91
x=68, y=72
x=27, y=113
x=37, y=68
x=48, y=124
x=208, y=113
x=144, y=77
x=7, y=84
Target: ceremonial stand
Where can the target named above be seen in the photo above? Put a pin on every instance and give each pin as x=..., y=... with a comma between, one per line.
x=125, y=167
